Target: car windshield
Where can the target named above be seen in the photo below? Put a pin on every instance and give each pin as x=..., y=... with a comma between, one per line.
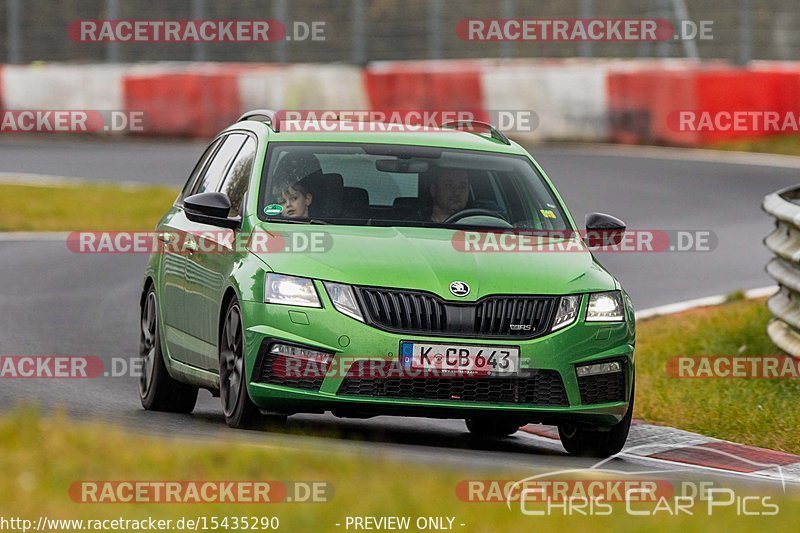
x=391, y=185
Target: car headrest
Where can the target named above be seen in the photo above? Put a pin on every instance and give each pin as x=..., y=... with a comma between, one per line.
x=355, y=200
x=406, y=202
x=296, y=166
x=327, y=195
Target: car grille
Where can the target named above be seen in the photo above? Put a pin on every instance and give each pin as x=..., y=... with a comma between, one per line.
x=540, y=387
x=603, y=388
x=275, y=369
x=417, y=312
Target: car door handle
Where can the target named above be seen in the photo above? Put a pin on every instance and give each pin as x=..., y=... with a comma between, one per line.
x=165, y=237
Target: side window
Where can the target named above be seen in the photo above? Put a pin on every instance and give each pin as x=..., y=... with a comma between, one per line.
x=198, y=168
x=238, y=176
x=215, y=170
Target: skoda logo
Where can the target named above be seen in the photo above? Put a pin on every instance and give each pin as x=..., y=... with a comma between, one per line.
x=459, y=288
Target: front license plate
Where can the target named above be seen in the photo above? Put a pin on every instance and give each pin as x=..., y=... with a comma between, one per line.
x=468, y=359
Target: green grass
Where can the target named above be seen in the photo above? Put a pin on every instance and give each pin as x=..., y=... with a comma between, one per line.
x=42, y=457
x=758, y=412
x=775, y=144
x=82, y=207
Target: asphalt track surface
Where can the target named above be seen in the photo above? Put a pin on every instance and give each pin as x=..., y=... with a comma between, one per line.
x=57, y=302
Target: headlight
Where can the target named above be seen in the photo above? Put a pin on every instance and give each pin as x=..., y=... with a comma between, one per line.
x=567, y=311
x=605, y=307
x=343, y=299
x=289, y=290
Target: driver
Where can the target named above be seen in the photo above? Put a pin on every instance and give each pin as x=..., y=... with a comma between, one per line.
x=450, y=194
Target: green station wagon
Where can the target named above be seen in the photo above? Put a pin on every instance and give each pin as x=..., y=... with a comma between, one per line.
x=432, y=273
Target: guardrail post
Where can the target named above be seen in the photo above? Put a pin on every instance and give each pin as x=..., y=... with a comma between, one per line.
x=12, y=31
x=745, y=31
x=586, y=11
x=358, y=52
x=198, y=13
x=435, y=29
x=112, y=47
x=280, y=12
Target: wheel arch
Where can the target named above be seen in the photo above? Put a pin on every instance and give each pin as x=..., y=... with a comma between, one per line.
x=148, y=282
x=227, y=297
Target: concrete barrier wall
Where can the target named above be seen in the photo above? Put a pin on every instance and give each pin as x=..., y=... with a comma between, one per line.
x=62, y=87
x=691, y=107
x=303, y=87
x=434, y=87
x=632, y=101
x=569, y=97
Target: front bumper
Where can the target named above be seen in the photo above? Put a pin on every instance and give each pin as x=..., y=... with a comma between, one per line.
x=555, y=354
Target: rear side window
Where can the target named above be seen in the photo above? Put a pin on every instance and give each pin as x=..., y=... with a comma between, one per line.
x=238, y=176
x=215, y=170
x=198, y=168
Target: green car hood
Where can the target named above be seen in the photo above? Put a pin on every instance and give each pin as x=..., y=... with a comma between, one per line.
x=426, y=259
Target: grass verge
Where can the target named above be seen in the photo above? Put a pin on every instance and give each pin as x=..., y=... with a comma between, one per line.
x=776, y=144
x=42, y=457
x=82, y=207
x=759, y=412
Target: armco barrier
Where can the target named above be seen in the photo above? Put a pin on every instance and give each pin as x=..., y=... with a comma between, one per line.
x=784, y=242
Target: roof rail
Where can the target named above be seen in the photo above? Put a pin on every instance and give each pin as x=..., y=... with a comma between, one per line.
x=495, y=133
x=267, y=116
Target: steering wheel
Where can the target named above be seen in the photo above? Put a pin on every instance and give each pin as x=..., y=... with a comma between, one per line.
x=473, y=212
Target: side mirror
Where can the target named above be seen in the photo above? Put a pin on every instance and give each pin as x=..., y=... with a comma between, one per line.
x=210, y=208
x=603, y=230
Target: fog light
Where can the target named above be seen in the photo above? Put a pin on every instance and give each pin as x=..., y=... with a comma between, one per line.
x=297, y=352
x=599, y=368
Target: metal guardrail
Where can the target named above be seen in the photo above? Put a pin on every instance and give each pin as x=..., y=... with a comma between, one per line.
x=784, y=268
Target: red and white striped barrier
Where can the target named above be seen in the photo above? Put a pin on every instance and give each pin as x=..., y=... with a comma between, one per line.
x=632, y=101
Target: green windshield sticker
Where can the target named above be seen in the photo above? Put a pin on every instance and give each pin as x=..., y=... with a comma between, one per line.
x=273, y=209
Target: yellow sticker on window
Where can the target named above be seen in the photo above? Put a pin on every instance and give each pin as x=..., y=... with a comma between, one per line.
x=547, y=213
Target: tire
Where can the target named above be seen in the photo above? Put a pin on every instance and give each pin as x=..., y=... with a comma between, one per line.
x=240, y=411
x=491, y=429
x=157, y=389
x=594, y=443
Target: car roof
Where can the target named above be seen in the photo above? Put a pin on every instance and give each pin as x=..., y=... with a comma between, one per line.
x=434, y=137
